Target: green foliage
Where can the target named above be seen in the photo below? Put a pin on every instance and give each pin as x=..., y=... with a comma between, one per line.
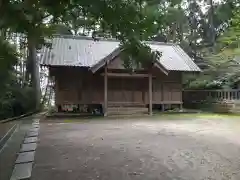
x=143, y=55
x=16, y=101
x=224, y=62
x=122, y=19
x=129, y=21
x=8, y=58
x=231, y=37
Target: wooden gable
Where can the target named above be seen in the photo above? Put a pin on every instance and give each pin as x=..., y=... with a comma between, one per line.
x=116, y=63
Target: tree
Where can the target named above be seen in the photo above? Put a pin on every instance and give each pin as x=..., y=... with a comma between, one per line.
x=14, y=99
x=224, y=63
x=129, y=21
x=8, y=58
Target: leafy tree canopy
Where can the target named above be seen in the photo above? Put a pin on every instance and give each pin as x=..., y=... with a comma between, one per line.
x=224, y=62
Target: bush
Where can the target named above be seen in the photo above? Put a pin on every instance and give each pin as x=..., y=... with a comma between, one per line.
x=16, y=101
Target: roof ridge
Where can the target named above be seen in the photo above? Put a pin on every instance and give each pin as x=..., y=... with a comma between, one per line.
x=161, y=43
x=84, y=37
x=108, y=39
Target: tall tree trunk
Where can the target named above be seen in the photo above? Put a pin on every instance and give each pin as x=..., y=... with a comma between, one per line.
x=50, y=94
x=180, y=26
x=211, y=21
x=140, y=9
x=34, y=71
x=22, y=60
x=44, y=99
x=180, y=32
x=3, y=33
x=174, y=32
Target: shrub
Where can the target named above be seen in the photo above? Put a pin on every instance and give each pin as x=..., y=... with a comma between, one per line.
x=16, y=101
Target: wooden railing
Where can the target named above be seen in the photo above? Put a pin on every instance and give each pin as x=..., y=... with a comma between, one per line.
x=201, y=95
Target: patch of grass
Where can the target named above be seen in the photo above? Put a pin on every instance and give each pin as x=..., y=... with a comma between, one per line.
x=195, y=115
x=69, y=120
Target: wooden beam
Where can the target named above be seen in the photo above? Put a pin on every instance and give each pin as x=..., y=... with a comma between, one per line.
x=125, y=75
x=150, y=93
x=105, y=91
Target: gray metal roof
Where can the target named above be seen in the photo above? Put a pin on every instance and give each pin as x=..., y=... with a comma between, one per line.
x=174, y=58
x=75, y=51
x=83, y=51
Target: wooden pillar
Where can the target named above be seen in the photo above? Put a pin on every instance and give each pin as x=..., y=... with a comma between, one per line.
x=181, y=107
x=150, y=93
x=56, y=88
x=105, y=92
x=162, y=96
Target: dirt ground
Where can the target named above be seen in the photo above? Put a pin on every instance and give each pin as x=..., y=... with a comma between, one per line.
x=198, y=148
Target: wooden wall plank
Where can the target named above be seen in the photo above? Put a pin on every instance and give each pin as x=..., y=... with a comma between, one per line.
x=83, y=87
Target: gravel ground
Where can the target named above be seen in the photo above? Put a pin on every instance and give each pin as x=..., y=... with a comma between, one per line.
x=146, y=149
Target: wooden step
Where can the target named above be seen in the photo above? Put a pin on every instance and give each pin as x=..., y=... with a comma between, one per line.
x=130, y=104
x=127, y=110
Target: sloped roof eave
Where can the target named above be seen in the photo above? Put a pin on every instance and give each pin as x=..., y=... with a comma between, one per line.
x=161, y=67
x=105, y=60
